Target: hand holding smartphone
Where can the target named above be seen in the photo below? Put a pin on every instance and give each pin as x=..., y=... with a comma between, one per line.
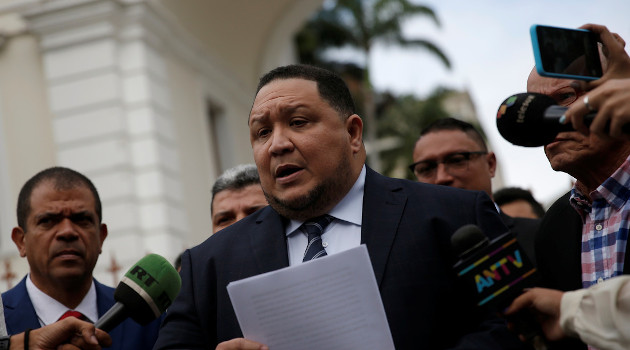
x=566, y=53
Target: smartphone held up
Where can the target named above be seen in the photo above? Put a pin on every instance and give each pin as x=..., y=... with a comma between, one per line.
x=566, y=53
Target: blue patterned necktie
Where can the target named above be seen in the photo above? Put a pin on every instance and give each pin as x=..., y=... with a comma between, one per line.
x=314, y=229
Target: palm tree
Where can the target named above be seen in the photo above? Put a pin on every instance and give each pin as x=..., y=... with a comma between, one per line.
x=360, y=24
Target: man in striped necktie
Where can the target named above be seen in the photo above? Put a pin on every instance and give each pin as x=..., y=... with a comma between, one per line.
x=307, y=144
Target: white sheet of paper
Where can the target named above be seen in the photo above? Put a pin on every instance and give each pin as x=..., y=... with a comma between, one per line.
x=328, y=303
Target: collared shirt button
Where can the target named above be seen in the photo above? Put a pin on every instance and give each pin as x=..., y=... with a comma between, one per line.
x=325, y=244
x=599, y=227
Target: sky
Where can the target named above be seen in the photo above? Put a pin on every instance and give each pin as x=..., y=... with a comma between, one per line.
x=490, y=49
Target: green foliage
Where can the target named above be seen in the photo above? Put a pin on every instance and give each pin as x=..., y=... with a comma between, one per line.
x=404, y=117
x=359, y=24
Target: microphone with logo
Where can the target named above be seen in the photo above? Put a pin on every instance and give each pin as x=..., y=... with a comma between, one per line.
x=532, y=120
x=496, y=272
x=144, y=293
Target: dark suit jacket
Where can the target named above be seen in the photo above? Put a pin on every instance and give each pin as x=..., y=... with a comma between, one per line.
x=558, y=254
x=525, y=230
x=406, y=227
x=19, y=315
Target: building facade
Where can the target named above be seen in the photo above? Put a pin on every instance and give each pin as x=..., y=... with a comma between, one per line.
x=148, y=98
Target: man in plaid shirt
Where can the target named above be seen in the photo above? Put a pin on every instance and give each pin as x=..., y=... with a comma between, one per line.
x=583, y=238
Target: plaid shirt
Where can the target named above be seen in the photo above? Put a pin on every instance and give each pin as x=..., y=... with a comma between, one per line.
x=606, y=224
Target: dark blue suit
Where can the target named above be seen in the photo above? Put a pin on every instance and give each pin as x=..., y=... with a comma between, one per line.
x=406, y=227
x=19, y=315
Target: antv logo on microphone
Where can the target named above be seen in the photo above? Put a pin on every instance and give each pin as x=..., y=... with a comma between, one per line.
x=498, y=273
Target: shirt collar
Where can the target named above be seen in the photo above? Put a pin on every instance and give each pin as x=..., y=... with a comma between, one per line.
x=349, y=209
x=615, y=191
x=49, y=310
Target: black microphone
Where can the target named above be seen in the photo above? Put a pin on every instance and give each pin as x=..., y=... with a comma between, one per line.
x=532, y=120
x=496, y=272
x=143, y=294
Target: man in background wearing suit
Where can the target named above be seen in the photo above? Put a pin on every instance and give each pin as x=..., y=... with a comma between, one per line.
x=61, y=234
x=308, y=147
x=451, y=152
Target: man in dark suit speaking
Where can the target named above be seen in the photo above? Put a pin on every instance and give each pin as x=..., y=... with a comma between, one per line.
x=308, y=147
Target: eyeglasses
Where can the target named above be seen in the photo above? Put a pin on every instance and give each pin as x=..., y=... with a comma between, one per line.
x=426, y=169
x=564, y=96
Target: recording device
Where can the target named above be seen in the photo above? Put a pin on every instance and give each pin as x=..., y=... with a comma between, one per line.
x=532, y=120
x=496, y=272
x=566, y=53
x=144, y=293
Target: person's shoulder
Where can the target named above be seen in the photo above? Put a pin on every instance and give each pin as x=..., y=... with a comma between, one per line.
x=521, y=226
x=102, y=288
x=561, y=212
x=561, y=203
x=419, y=187
x=526, y=222
x=235, y=232
x=560, y=215
x=18, y=290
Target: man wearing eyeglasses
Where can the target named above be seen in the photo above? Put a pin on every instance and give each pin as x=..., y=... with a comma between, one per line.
x=453, y=153
x=583, y=236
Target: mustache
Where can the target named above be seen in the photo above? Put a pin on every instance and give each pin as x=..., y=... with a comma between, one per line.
x=73, y=249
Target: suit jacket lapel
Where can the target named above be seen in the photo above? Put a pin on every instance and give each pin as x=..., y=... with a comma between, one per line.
x=383, y=205
x=507, y=220
x=104, y=300
x=268, y=242
x=20, y=313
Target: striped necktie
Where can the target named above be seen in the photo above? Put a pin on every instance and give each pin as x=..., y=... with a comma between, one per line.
x=314, y=229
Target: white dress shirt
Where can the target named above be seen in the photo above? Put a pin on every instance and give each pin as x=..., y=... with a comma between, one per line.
x=343, y=233
x=49, y=310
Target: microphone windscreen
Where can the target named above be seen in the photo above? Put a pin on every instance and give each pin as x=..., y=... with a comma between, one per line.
x=467, y=238
x=148, y=288
x=521, y=120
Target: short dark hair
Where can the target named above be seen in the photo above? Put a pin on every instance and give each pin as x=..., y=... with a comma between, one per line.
x=456, y=124
x=330, y=86
x=63, y=179
x=235, y=178
x=510, y=194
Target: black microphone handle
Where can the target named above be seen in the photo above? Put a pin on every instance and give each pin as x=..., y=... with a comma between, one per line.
x=112, y=318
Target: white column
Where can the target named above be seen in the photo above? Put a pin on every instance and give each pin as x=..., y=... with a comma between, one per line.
x=108, y=91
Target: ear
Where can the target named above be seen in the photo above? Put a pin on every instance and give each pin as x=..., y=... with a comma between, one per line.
x=19, y=237
x=102, y=236
x=354, y=127
x=492, y=163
